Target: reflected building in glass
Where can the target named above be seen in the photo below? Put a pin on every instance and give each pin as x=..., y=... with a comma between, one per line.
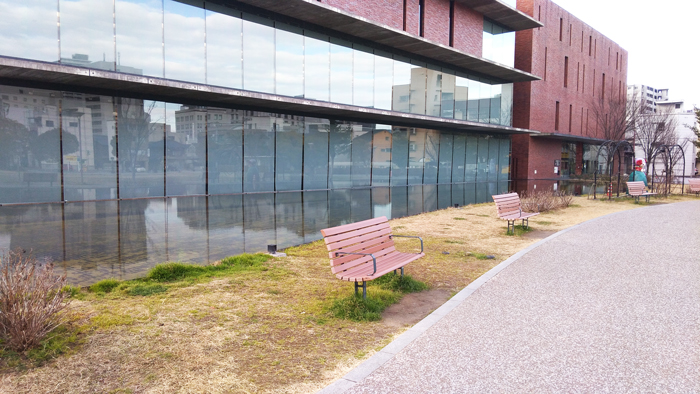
x=167, y=130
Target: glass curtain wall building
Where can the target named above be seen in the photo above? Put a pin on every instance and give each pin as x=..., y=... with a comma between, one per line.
x=135, y=180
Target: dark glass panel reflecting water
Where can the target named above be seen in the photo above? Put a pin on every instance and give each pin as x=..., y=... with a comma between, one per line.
x=124, y=239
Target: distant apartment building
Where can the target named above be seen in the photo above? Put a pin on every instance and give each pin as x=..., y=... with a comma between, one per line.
x=646, y=96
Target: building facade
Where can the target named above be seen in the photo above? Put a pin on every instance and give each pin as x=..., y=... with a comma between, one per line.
x=574, y=106
x=143, y=131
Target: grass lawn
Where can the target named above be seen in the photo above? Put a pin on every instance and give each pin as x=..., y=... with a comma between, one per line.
x=261, y=324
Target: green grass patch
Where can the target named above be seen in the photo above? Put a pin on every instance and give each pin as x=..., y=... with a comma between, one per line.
x=146, y=290
x=171, y=272
x=520, y=230
x=449, y=241
x=59, y=341
x=105, y=285
x=480, y=256
x=395, y=282
x=545, y=223
x=459, y=218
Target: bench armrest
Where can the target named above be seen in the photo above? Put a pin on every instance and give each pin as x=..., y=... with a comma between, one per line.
x=374, y=259
x=410, y=236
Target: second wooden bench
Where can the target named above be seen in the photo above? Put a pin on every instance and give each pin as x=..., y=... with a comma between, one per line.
x=508, y=207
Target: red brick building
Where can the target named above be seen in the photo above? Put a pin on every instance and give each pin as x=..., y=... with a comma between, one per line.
x=578, y=65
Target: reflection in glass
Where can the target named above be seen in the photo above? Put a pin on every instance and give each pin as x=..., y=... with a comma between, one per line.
x=416, y=153
x=494, y=147
x=447, y=106
x=470, y=193
x=186, y=229
x=399, y=202
x=141, y=130
x=316, y=153
x=89, y=155
x=399, y=156
x=415, y=200
x=259, y=159
x=418, y=90
x=225, y=218
x=87, y=33
x=290, y=143
x=315, y=214
x=29, y=145
x=458, y=158
x=361, y=205
x=429, y=198
x=504, y=161
x=339, y=207
x=225, y=135
x=461, y=98
x=185, y=148
x=339, y=154
x=361, y=154
x=444, y=196
x=29, y=31
x=401, y=92
x=289, y=219
x=341, y=73
x=259, y=221
x=139, y=27
x=507, y=104
x=258, y=55
x=482, y=159
x=473, y=103
x=445, y=170
x=224, y=48
x=495, y=110
x=184, y=41
x=381, y=202
x=458, y=194
x=316, y=69
x=433, y=94
x=484, y=102
x=471, y=160
x=381, y=155
x=383, y=82
x=430, y=161
x=363, y=79
x=289, y=61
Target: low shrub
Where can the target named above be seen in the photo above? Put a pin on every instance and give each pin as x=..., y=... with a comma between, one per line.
x=32, y=300
x=105, y=285
x=356, y=308
x=544, y=201
x=168, y=272
x=395, y=282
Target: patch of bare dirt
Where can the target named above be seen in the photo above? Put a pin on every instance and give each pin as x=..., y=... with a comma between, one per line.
x=538, y=234
x=414, y=307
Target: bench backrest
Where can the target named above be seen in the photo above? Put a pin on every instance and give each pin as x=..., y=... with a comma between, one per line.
x=507, y=204
x=694, y=184
x=368, y=236
x=636, y=188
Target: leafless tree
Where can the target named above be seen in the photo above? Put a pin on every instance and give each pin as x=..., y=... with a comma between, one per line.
x=614, y=116
x=653, y=132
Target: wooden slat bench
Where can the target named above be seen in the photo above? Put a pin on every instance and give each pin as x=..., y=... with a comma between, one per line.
x=637, y=189
x=508, y=207
x=363, y=251
x=694, y=185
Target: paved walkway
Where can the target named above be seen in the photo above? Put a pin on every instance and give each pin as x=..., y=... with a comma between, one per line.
x=610, y=305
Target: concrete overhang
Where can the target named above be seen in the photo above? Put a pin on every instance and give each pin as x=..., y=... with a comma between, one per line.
x=505, y=15
x=335, y=19
x=52, y=76
x=570, y=138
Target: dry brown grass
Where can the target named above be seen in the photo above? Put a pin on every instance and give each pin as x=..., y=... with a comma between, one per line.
x=269, y=331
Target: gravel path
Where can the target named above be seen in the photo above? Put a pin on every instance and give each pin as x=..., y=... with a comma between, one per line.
x=611, y=305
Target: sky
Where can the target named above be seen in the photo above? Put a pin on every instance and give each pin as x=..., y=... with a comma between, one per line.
x=660, y=37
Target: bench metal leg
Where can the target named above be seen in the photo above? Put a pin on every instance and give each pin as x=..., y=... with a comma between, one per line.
x=364, y=289
x=525, y=223
x=511, y=224
x=401, y=272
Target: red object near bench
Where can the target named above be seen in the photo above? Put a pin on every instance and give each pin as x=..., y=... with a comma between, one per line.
x=365, y=250
x=508, y=207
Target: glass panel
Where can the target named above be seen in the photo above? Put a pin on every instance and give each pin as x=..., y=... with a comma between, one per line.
x=224, y=48
x=259, y=221
x=381, y=156
x=140, y=129
x=259, y=153
x=494, y=147
x=415, y=200
x=502, y=187
x=185, y=150
x=289, y=62
x=482, y=193
x=258, y=57
x=361, y=205
x=339, y=207
x=30, y=155
x=316, y=153
x=447, y=106
x=226, y=236
x=88, y=150
x=315, y=214
x=383, y=82
x=290, y=145
x=363, y=79
x=484, y=102
x=416, y=153
x=445, y=172
x=87, y=33
x=430, y=161
x=381, y=202
x=399, y=155
x=139, y=26
x=289, y=219
x=471, y=160
x=458, y=157
x=399, y=202
x=341, y=74
x=401, y=91
x=444, y=196
x=507, y=104
x=461, y=98
x=418, y=90
x=339, y=155
x=186, y=227
x=429, y=198
x=361, y=154
x=458, y=194
x=184, y=41
x=504, y=161
x=495, y=111
x=482, y=161
x=225, y=134
x=433, y=94
x=473, y=104
x=470, y=193
x=316, y=69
